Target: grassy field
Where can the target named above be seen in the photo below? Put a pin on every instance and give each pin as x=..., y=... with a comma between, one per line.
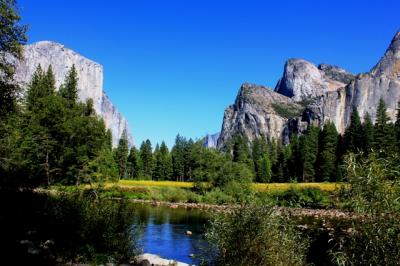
x=257, y=186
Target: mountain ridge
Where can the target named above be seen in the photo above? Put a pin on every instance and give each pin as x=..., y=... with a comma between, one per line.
x=323, y=93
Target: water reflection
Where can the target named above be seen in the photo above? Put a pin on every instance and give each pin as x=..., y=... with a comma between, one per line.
x=164, y=232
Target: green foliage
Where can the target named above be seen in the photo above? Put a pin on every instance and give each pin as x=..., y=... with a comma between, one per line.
x=327, y=153
x=134, y=164
x=310, y=151
x=69, y=90
x=383, y=131
x=353, y=136
x=121, y=155
x=286, y=111
x=376, y=196
x=313, y=198
x=12, y=37
x=163, y=163
x=146, y=155
x=255, y=235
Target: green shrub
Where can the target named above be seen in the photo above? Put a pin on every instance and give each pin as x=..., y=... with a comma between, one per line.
x=303, y=197
x=375, y=238
x=255, y=235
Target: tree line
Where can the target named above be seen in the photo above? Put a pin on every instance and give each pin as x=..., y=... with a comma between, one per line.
x=315, y=156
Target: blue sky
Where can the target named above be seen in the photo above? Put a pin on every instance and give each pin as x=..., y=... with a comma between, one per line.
x=174, y=66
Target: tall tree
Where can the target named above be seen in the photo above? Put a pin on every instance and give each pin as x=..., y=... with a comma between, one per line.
x=383, y=137
x=146, y=155
x=12, y=37
x=163, y=164
x=327, y=153
x=240, y=151
x=353, y=136
x=121, y=155
x=69, y=90
x=397, y=125
x=134, y=164
x=368, y=134
x=310, y=152
x=178, y=158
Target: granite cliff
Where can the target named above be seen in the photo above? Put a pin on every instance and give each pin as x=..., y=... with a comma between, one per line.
x=309, y=94
x=90, y=83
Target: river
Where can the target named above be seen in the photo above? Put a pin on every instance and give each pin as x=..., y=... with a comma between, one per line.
x=162, y=231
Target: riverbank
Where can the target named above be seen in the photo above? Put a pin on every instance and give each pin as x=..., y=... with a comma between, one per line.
x=304, y=212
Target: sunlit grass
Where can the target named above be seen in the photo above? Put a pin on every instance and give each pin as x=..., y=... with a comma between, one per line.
x=286, y=186
x=257, y=186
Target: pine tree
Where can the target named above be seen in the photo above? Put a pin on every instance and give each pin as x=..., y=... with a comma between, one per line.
x=69, y=90
x=368, y=134
x=353, y=136
x=134, y=164
x=163, y=165
x=146, y=155
x=259, y=151
x=121, y=155
x=383, y=137
x=12, y=37
x=241, y=151
x=178, y=158
x=310, y=151
x=327, y=153
x=397, y=125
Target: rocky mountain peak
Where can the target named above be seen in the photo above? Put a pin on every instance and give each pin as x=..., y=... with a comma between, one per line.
x=389, y=65
x=303, y=80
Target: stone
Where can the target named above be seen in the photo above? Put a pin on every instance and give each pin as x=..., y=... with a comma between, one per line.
x=211, y=141
x=155, y=260
x=90, y=80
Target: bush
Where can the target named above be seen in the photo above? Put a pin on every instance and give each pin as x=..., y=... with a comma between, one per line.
x=68, y=228
x=303, y=197
x=255, y=235
x=375, y=240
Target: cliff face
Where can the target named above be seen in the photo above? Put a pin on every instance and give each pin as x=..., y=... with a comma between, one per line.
x=308, y=94
x=211, y=141
x=90, y=80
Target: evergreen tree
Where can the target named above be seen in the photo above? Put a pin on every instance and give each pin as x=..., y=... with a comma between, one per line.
x=134, y=164
x=12, y=37
x=383, y=137
x=368, y=134
x=310, y=151
x=163, y=165
x=146, y=156
x=264, y=169
x=260, y=155
x=121, y=155
x=397, y=126
x=69, y=90
x=327, y=153
x=353, y=136
x=178, y=158
x=241, y=151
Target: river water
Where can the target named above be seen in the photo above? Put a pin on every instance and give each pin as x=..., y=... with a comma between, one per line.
x=162, y=231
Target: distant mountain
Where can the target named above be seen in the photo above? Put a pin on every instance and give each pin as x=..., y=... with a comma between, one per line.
x=90, y=83
x=210, y=141
x=308, y=94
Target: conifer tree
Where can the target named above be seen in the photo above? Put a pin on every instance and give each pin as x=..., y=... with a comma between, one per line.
x=241, y=151
x=178, y=158
x=368, y=134
x=163, y=165
x=134, y=164
x=69, y=90
x=146, y=155
x=12, y=37
x=310, y=151
x=353, y=136
x=327, y=153
x=121, y=155
x=383, y=137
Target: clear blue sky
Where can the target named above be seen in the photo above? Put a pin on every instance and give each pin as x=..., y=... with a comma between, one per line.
x=174, y=66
